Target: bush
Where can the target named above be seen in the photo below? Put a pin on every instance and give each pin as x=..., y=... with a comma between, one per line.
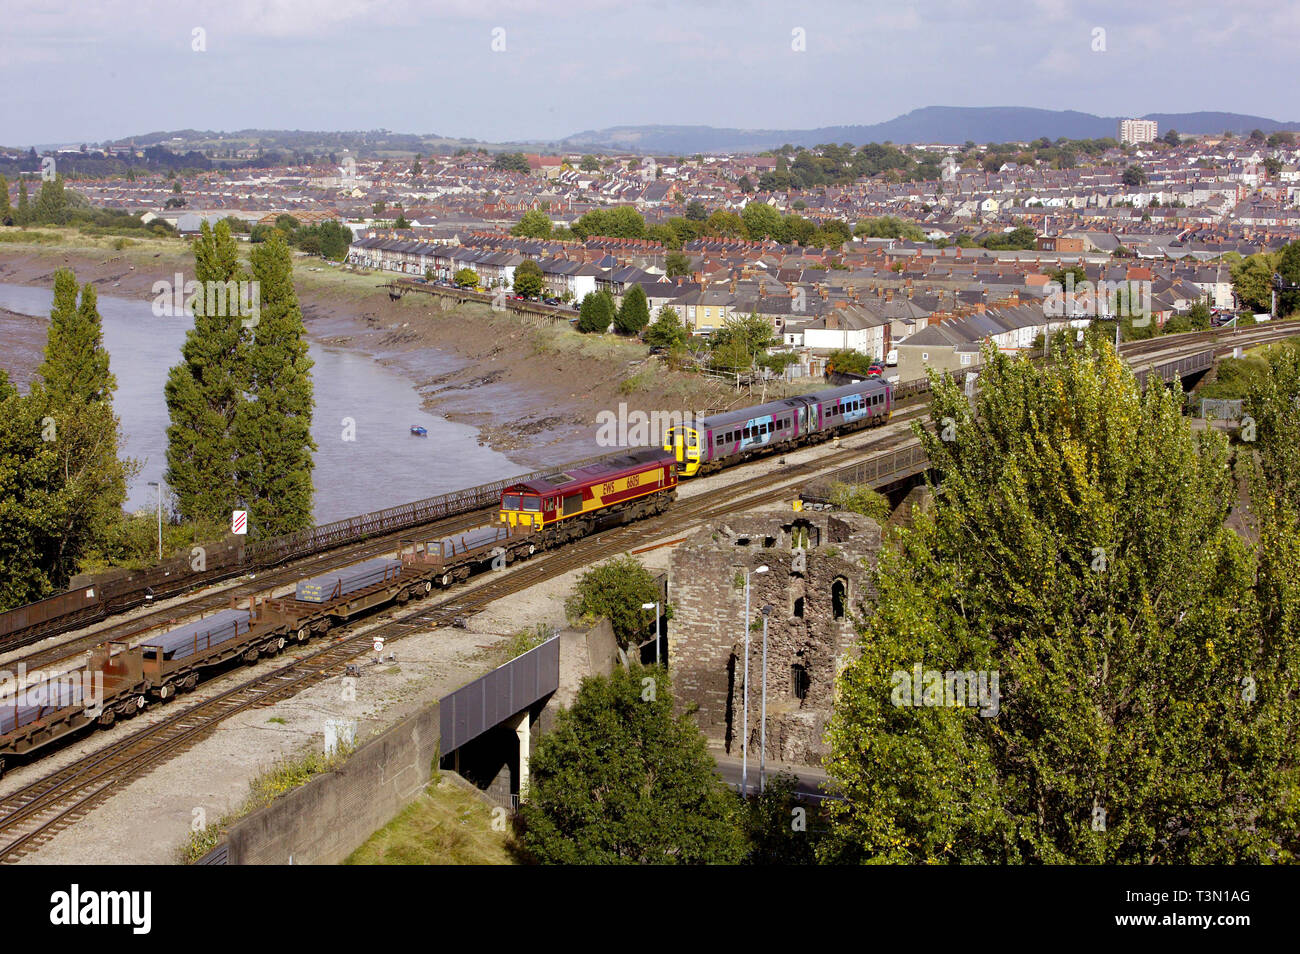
x=596, y=313
x=635, y=313
x=616, y=591
x=622, y=780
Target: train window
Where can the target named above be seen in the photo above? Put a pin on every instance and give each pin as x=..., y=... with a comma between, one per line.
x=510, y=502
x=531, y=504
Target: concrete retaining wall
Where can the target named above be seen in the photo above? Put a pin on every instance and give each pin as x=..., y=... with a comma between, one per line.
x=327, y=819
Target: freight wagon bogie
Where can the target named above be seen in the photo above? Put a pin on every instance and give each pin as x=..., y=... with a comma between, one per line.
x=113, y=685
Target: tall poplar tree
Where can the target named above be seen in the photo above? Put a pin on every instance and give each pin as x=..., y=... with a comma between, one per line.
x=205, y=390
x=75, y=370
x=6, y=211
x=23, y=214
x=1147, y=707
x=74, y=498
x=22, y=576
x=273, y=427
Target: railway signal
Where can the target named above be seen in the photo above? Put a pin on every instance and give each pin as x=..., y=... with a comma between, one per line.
x=239, y=522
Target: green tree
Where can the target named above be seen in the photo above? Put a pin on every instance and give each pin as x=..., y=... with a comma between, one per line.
x=621, y=222
x=1273, y=404
x=205, y=390
x=533, y=224
x=860, y=498
x=1172, y=138
x=889, y=227
x=622, y=780
x=745, y=186
x=25, y=463
x=1198, y=317
x=696, y=211
x=51, y=206
x=75, y=483
x=466, y=278
x=761, y=221
x=75, y=370
x=589, y=164
x=676, y=264
x=272, y=427
x=634, y=314
x=1119, y=613
x=6, y=212
x=774, y=831
x=529, y=280
x=1252, y=280
x=596, y=313
x=726, y=224
x=664, y=234
x=616, y=590
x=744, y=338
x=22, y=214
x=1134, y=176
x=848, y=361
x=667, y=330
x=1288, y=267
x=510, y=162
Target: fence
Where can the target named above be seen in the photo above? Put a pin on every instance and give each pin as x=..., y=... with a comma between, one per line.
x=231, y=557
x=1221, y=409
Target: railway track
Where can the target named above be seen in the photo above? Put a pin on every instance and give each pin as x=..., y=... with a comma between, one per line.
x=71, y=651
x=36, y=812
x=68, y=654
x=283, y=573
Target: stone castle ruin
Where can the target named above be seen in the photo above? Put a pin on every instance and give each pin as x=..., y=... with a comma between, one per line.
x=817, y=582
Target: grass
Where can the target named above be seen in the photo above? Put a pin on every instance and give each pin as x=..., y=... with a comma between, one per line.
x=524, y=640
x=280, y=779
x=24, y=237
x=446, y=825
x=640, y=381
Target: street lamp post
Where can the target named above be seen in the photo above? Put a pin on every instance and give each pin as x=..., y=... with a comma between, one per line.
x=158, y=484
x=744, y=719
x=762, y=743
x=654, y=606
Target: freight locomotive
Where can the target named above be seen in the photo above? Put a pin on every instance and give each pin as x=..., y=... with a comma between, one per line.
x=711, y=443
x=121, y=679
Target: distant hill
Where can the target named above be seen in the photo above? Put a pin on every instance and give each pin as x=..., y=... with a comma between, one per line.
x=944, y=124
x=950, y=124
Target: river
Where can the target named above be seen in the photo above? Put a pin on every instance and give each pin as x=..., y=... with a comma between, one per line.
x=383, y=465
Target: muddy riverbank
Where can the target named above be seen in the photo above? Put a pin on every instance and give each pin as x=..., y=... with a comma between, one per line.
x=532, y=393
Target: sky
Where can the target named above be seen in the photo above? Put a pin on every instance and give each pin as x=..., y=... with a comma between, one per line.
x=502, y=70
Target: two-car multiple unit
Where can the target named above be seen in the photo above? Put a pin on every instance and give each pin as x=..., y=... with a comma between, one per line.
x=120, y=678
x=710, y=443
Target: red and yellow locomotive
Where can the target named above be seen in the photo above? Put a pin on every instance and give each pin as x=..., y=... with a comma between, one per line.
x=569, y=504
